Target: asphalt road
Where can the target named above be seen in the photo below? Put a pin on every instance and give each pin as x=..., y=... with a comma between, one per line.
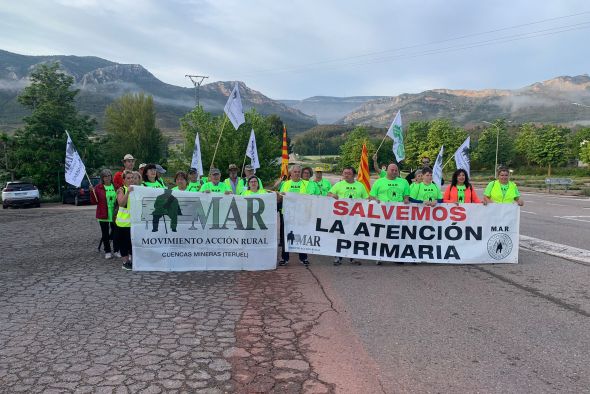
x=73, y=322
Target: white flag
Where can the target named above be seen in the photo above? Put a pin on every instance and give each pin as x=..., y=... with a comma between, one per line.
x=252, y=152
x=196, y=162
x=396, y=134
x=437, y=170
x=75, y=168
x=233, y=108
x=462, y=157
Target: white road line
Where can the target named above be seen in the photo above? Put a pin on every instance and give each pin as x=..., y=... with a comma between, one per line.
x=554, y=249
x=558, y=205
x=572, y=218
x=532, y=213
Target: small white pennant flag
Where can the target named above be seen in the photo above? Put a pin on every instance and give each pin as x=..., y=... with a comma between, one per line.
x=233, y=108
x=196, y=162
x=437, y=170
x=75, y=168
x=462, y=157
x=252, y=151
x=395, y=132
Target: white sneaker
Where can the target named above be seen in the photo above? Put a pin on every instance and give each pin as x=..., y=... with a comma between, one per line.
x=117, y=254
x=108, y=256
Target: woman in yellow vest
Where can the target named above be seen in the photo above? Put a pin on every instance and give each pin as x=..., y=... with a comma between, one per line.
x=502, y=190
x=253, y=187
x=123, y=220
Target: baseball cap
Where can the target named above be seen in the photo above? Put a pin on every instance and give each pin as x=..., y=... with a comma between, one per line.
x=142, y=165
x=248, y=167
x=128, y=156
x=232, y=167
x=318, y=169
x=192, y=170
x=214, y=171
x=160, y=169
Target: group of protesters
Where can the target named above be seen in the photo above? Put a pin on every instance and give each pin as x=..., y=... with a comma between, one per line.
x=112, y=194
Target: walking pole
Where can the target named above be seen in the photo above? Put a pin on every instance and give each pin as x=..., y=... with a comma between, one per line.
x=218, y=139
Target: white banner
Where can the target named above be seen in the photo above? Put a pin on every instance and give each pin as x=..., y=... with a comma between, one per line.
x=196, y=161
x=186, y=231
x=462, y=157
x=233, y=108
x=74, y=167
x=396, y=134
x=252, y=151
x=446, y=233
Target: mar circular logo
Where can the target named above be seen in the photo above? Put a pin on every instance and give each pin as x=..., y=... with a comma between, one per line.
x=499, y=246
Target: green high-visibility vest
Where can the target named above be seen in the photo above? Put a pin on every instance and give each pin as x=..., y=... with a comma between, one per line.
x=124, y=214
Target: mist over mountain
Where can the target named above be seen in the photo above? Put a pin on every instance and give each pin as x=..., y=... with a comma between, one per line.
x=101, y=81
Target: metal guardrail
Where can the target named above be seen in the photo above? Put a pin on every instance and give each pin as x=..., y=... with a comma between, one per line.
x=567, y=182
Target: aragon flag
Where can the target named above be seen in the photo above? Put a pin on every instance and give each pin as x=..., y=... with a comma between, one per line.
x=285, y=155
x=364, y=176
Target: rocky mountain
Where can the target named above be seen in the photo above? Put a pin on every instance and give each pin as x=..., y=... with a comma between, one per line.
x=328, y=110
x=101, y=81
x=551, y=101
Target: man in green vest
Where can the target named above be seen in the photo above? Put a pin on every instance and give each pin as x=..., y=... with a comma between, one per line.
x=248, y=172
x=391, y=188
x=215, y=185
x=195, y=183
x=348, y=187
x=502, y=190
x=166, y=204
x=294, y=185
x=235, y=184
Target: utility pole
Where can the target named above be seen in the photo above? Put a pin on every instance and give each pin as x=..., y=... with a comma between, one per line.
x=197, y=80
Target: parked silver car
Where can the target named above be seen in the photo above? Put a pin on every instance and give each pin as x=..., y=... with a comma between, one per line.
x=20, y=193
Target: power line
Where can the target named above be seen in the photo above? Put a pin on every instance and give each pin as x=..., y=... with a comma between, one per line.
x=372, y=54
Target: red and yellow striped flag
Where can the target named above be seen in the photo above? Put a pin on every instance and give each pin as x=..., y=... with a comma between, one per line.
x=364, y=176
x=285, y=155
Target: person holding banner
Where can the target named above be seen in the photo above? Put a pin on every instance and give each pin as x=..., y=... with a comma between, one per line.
x=426, y=192
x=253, y=187
x=323, y=184
x=348, y=187
x=123, y=220
x=502, y=190
x=151, y=177
x=181, y=181
x=215, y=185
x=417, y=180
x=250, y=171
x=195, y=183
x=104, y=196
x=233, y=183
x=294, y=185
x=312, y=187
x=460, y=190
x=392, y=188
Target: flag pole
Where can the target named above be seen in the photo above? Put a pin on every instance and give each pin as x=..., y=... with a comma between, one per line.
x=90, y=185
x=218, y=139
x=243, y=164
x=382, y=141
x=447, y=162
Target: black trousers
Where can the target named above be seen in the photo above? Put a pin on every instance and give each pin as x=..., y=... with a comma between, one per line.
x=285, y=255
x=107, y=230
x=124, y=236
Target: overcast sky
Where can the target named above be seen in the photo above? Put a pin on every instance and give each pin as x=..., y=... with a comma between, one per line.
x=297, y=49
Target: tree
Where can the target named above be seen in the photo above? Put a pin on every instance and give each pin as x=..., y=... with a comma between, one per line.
x=38, y=148
x=350, y=152
x=585, y=151
x=130, y=122
x=550, y=148
x=485, y=152
x=233, y=143
x=442, y=132
x=416, y=142
x=525, y=142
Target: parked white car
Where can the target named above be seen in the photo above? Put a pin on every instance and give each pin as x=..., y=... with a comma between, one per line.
x=20, y=193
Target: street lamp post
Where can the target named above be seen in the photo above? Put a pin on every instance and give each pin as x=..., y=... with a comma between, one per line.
x=497, y=144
